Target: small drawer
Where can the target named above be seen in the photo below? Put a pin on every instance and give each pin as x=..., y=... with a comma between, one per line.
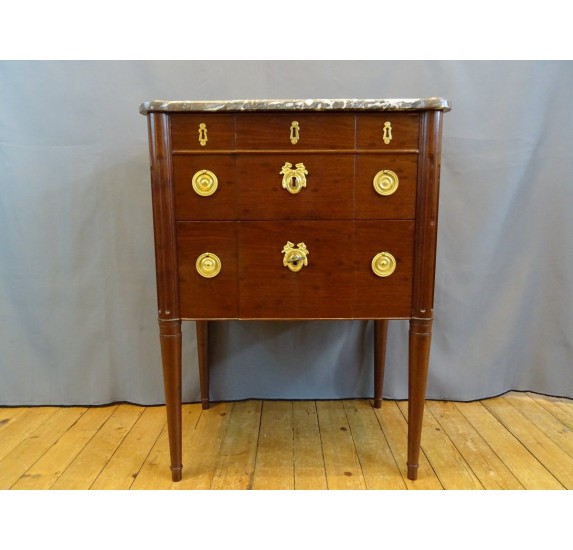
x=205, y=132
x=203, y=248
x=376, y=296
x=270, y=289
x=295, y=131
x=386, y=186
x=295, y=186
x=387, y=131
x=205, y=187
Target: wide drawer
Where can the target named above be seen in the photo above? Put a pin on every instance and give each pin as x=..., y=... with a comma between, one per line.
x=387, y=130
x=270, y=289
x=295, y=186
x=294, y=131
x=202, y=132
x=295, y=269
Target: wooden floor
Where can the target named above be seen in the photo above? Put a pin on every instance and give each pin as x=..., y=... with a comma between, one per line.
x=517, y=441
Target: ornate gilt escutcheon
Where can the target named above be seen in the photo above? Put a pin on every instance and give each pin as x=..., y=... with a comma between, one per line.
x=208, y=265
x=205, y=183
x=203, y=134
x=383, y=264
x=294, y=179
x=385, y=182
x=295, y=257
x=294, y=132
x=387, y=132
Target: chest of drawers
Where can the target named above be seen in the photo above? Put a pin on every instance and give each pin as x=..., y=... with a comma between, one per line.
x=299, y=209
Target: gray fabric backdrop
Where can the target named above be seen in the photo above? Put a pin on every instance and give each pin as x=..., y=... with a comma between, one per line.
x=77, y=282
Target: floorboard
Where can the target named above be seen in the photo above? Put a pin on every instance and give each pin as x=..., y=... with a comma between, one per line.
x=520, y=440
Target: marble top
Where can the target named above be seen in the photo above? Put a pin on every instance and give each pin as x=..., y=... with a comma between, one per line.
x=415, y=104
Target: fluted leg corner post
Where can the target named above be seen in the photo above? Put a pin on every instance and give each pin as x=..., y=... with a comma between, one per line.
x=170, y=336
x=419, y=357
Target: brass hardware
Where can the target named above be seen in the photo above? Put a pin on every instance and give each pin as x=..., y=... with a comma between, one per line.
x=383, y=264
x=205, y=183
x=295, y=258
x=387, y=133
x=294, y=180
x=294, y=134
x=208, y=265
x=203, y=134
x=385, y=182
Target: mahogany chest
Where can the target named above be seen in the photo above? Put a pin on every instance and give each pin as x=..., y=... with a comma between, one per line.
x=295, y=209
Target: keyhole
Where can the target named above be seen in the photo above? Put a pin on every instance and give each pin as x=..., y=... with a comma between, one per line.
x=293, y=182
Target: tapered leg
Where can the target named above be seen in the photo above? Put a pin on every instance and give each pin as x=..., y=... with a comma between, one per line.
x=420, y=340
x=380, y=334
x=203, y=356
x=170, y=336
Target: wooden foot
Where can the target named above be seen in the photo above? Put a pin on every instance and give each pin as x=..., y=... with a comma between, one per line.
x=380, y=335
x=202, y=328
x=419, y=357
x=170, y=337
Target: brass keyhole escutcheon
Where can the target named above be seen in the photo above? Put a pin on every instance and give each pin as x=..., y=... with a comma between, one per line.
x=387, y=132
x=385, y=182
x=383, y=264
x=208, y=265
x=295, y=257
x=205, y=183
x=294, y=179
x=203, y=134
x=294, y=132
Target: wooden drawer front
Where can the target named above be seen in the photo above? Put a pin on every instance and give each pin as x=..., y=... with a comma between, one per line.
x=322, y=289
x=315, y=131
x=391, y=296
x=220, y=132
x=328, y=193
x=189, y=205
x=401, y=204
x=370, y=131
x=200, y=297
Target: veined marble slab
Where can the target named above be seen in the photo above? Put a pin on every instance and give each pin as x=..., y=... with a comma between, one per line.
x=416, y=104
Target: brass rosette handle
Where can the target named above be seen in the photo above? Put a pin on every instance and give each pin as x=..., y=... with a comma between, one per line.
x=383, y=264
x=385, y=182
x=208, y=265
x=205, y=183
x=294, y=179
x=295, y=257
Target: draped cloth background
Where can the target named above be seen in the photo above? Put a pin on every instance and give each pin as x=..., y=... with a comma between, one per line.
x=77, y=275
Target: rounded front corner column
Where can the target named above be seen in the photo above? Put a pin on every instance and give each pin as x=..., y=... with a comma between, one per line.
x=170, y=337
x=419, y=358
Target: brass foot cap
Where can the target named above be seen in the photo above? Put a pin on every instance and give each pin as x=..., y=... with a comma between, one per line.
x=413, y=472
x=176, y=473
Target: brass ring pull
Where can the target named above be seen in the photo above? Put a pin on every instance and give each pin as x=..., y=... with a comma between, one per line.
x=295, y=258
x=294, y=179
x=385, y=182
x=205, y=183
x=383, y=264
x=208, y=265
